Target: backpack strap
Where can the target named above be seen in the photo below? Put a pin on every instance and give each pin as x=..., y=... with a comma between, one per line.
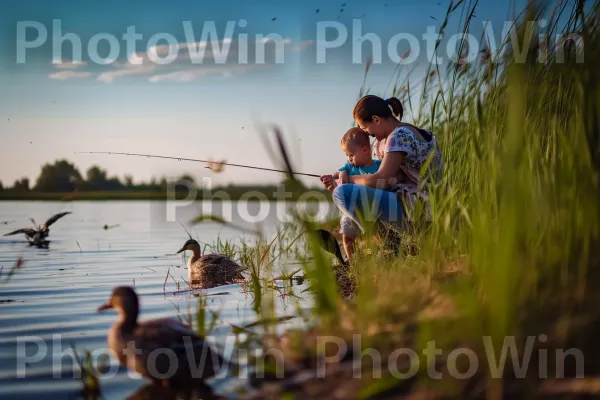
x=426, y=135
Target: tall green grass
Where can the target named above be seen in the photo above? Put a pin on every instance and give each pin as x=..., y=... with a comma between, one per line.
x=513, y=247
x=517, y=213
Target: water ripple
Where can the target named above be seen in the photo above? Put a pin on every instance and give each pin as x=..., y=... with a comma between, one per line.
x=52, y=299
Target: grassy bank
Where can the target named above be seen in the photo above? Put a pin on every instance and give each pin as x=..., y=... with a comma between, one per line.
x=511, y=259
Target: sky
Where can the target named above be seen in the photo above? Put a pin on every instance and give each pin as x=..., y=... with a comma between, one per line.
x=57, y=100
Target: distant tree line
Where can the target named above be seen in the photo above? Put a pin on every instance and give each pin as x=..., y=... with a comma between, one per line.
x=63, y=177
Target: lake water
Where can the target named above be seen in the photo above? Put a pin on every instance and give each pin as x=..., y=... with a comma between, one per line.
x=51, y=301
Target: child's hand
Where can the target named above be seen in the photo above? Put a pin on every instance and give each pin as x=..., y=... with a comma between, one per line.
x=328, y=182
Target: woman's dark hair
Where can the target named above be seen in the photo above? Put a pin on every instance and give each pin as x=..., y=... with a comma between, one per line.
x=370, y=106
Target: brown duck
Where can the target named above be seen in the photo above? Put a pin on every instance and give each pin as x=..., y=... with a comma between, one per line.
x=210, y=270
x=163, y=350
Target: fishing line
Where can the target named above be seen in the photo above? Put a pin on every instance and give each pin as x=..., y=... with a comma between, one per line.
x=194, y=160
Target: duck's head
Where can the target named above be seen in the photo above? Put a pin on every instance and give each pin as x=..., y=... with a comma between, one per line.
x=124, y=300
x=191, y=245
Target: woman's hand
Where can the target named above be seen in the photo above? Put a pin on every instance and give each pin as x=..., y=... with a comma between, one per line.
x=386, y=175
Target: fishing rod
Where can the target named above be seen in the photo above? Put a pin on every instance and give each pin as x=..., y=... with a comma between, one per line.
x=194, y=160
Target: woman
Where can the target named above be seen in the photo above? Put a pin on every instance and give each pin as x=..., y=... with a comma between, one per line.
x=403, y=149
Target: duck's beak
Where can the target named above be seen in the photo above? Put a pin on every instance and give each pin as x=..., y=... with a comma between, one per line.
x=104, y=307
x=181, y=250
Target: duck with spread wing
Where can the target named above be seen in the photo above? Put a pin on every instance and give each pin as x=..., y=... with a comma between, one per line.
x=38, y=234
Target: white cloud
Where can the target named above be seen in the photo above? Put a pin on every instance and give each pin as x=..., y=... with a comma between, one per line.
x=64, y=75
x=269, y=39
x=190, y=65
x=141, y=64
x=69, y=64
x=192, y=74
x=110, y=76
x=192, y=51
x=163, y=49
x=302, y=44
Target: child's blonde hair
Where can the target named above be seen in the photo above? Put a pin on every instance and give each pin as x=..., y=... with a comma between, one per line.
x=355, y=136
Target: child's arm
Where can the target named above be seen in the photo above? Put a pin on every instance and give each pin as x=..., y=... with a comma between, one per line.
x=343, y=177
x=341, y=170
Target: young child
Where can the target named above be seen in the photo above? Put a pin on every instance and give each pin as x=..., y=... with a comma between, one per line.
x=357, y=147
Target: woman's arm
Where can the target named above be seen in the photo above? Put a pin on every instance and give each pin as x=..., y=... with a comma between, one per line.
x=388, y=173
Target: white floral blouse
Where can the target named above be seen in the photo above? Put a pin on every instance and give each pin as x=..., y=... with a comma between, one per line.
x=417, y=152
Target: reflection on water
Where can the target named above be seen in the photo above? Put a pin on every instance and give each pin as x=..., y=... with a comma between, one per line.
x=50, y=303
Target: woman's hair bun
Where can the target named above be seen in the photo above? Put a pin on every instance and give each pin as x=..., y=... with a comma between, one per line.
x=396, y=107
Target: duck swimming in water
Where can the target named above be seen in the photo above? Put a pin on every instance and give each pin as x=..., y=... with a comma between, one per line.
x=163, y=350
x=37, y=236
x=210, y=270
